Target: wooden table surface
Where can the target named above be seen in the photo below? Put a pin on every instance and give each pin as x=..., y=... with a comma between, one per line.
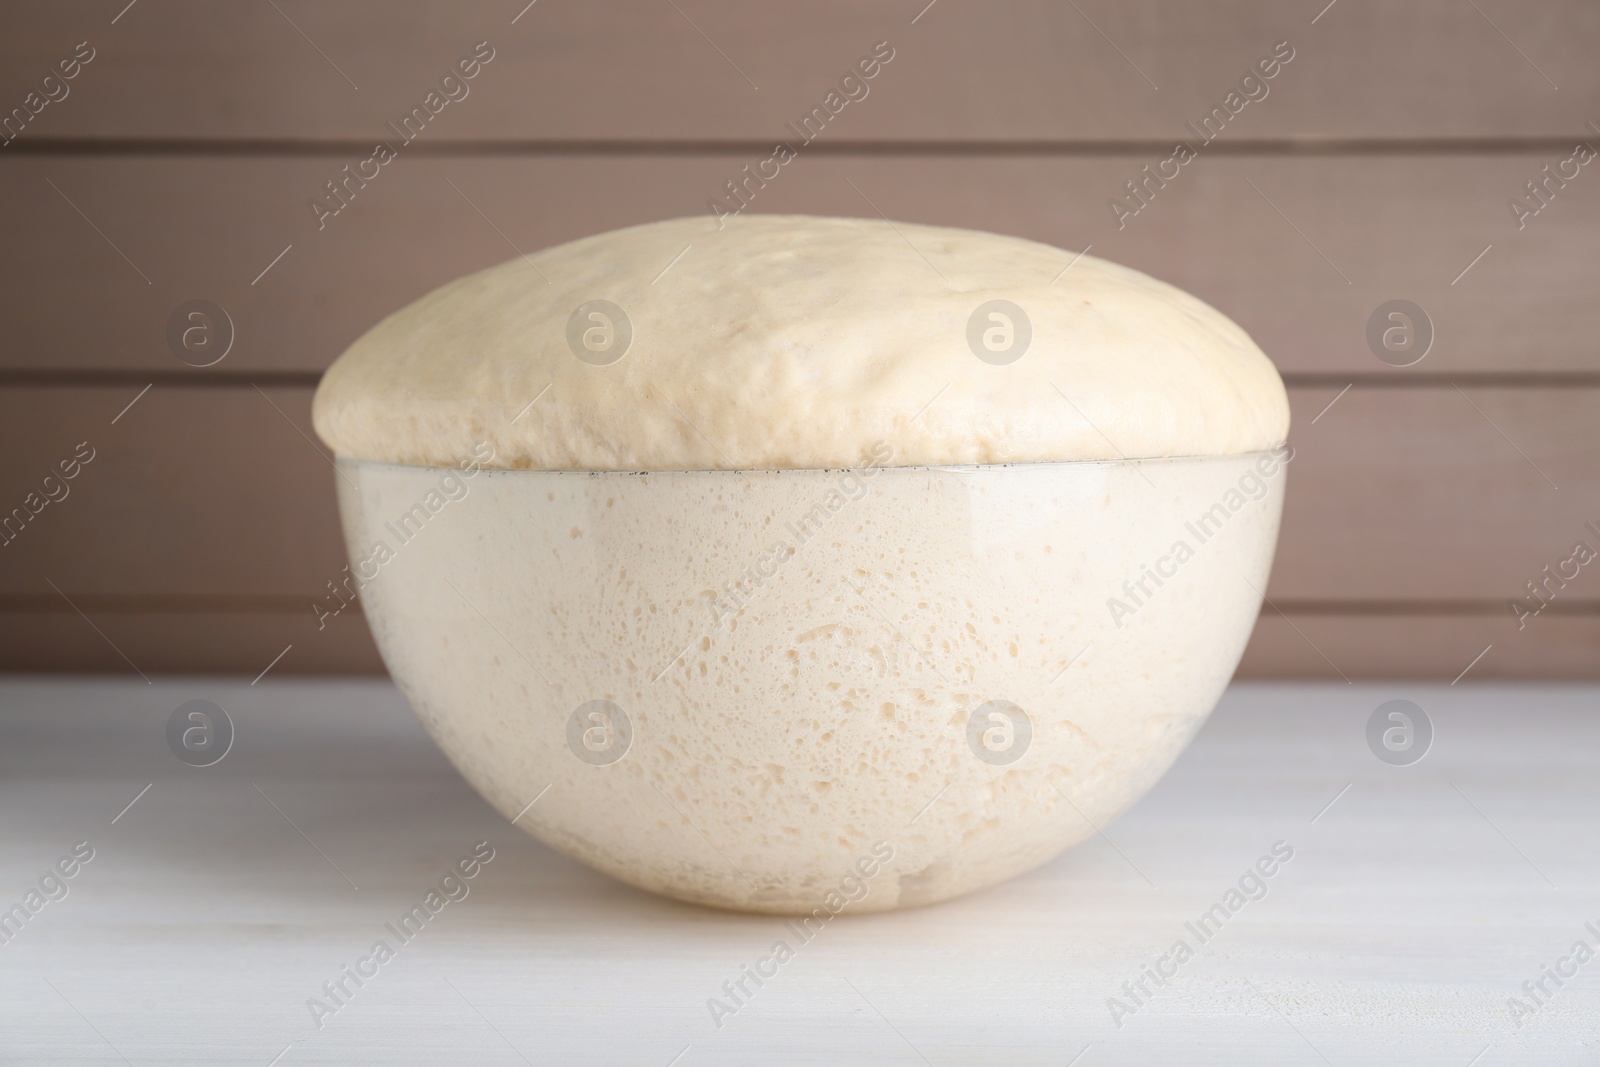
x=217, y=905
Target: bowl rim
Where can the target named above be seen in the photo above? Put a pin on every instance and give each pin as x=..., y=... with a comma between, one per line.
x=953, y=468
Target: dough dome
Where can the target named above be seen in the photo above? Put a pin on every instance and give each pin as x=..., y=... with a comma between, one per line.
x=799, y=342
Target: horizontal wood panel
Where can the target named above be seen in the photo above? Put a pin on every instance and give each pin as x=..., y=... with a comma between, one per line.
x=1301, y=252
x=691, y=70
x=157, y=642
x=1394, y=495
x=192, y=492
x=1437, y=494
x=1425, y=647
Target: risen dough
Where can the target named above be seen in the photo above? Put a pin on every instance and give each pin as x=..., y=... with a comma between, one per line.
x=799, y=342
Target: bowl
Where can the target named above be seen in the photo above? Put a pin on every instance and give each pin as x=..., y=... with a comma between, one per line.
x=803, y=691
x=793, y=564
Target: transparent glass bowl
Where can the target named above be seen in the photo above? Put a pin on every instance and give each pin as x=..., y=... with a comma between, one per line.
x=814, y=690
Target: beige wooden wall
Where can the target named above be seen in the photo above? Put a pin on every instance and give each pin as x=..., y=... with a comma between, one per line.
x=1379, y=166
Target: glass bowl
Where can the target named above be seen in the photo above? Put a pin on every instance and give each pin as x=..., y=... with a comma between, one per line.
x=806, y=691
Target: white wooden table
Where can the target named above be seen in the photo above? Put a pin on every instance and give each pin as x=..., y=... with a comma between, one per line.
x=1413, y=908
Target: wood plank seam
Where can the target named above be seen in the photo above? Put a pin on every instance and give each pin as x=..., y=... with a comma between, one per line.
x=471, y=148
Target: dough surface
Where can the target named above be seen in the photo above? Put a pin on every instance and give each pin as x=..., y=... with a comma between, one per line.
x=781, y=342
